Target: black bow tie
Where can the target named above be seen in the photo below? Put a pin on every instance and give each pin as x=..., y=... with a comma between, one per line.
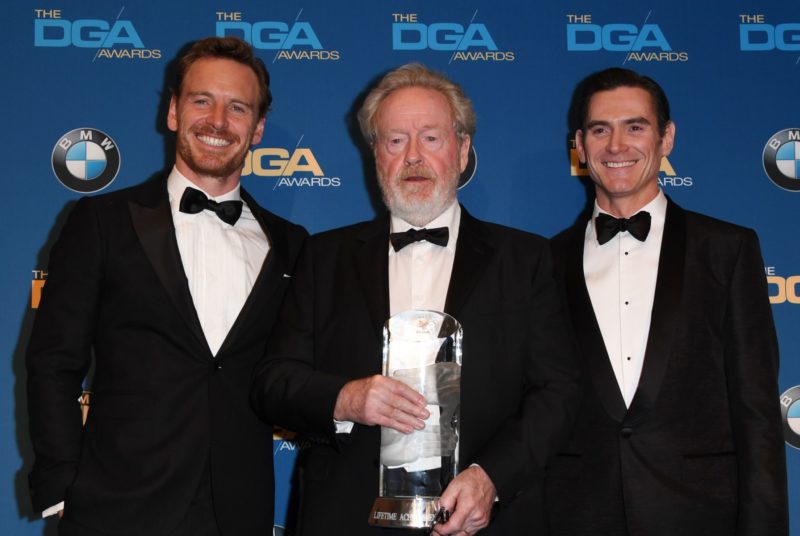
x=437, y=236
x=194, y=201
x=637, y=225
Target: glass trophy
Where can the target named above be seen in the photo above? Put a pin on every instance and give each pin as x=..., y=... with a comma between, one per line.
x=423, y=350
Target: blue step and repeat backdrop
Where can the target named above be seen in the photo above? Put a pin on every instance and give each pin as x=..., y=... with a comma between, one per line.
x=74, y=69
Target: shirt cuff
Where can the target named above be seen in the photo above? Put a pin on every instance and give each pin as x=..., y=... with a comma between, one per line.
x=343, y=427
x=53, y=510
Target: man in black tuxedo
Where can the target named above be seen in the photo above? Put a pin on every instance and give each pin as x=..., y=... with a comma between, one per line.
x=173, y=286
x=322, y=376
x=679, y=431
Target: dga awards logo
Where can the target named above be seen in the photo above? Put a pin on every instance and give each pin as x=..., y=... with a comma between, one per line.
x=781, y=159
x=86, y=160
x=37, y=284
x=295, y=40
x=757, y=35
x=782, y=289
x=466, y=42
x=116, y=39
x=644, y=43
x=790, y=411
x=297, y=167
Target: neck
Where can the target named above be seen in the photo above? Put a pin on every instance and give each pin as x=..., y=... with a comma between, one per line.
x=624, y=207
x=213, y=186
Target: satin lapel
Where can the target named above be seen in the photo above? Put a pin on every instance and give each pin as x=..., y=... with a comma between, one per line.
x=371, y=260
x=152, y=222
x=666, y=311
x=587, y=330
x=473, y=253
x=273, y=269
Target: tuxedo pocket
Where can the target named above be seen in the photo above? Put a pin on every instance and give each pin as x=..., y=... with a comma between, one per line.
x=717, y=466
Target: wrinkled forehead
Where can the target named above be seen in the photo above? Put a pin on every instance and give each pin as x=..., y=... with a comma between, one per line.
x=416, y=107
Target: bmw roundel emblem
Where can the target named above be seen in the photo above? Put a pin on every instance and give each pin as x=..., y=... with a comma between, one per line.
x=86, y=160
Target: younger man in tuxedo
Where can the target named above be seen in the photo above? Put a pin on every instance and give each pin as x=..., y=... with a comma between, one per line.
x=173, y=286
x=679, y=431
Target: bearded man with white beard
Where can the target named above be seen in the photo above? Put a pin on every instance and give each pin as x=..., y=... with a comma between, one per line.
x=321, y=377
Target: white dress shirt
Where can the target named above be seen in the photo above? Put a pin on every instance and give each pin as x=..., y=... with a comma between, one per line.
x=221, y=261
x=621, y=279
x=419, y=274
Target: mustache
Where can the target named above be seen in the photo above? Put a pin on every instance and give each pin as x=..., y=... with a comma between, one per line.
x=417, y=171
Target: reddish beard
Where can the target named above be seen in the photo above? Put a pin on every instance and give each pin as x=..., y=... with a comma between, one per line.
x=207, y=162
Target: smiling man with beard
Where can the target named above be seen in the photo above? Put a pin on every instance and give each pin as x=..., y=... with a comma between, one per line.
x=171, y=288
x=322, y=376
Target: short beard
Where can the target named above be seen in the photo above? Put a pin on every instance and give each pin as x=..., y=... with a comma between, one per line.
x=209, y=166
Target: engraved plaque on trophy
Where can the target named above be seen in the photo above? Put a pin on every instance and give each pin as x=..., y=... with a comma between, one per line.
x=423, y=350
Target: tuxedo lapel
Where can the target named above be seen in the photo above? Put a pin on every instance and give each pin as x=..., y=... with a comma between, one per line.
x=473, y=252
x=588, y=333
x=666, y=311
x=371, y=260
x=152, y=221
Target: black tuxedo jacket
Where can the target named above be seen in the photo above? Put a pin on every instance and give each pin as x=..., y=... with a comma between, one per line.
x=163, y=409
x=519, y=383
x=700, y=450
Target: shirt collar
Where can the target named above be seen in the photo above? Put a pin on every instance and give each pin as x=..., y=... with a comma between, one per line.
x=450, y=218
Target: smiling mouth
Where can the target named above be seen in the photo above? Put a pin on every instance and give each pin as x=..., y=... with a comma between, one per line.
x=213, y=141
x=626, y=163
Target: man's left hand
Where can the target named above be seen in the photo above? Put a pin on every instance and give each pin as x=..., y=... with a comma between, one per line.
x=469, y=498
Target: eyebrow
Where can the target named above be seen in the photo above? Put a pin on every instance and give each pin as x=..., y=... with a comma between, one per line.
x=639, y=120
x=212, y=96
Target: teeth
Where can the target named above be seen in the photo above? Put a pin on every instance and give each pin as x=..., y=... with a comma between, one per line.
x=620, y=164
x=216, y=142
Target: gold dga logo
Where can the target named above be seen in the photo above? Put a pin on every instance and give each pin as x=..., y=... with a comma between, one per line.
x=37, y=284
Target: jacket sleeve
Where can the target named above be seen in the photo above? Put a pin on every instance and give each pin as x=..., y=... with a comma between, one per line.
x=59, y=354
x=552, y=392
x=751, y=360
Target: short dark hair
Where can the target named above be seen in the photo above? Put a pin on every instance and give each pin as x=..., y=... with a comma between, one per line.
x=230, y=48
x=614, y=78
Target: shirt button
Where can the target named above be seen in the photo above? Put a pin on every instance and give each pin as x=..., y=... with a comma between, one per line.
x=217, y=366
x=626, y=432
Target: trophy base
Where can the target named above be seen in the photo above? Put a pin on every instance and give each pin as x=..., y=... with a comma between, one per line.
x=404, y=512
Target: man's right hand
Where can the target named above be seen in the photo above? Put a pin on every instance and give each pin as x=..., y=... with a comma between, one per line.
x=378, y=400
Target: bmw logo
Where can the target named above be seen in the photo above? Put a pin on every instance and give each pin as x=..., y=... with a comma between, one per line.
x=85, y=160
x=782, y=159
x=790, y=412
